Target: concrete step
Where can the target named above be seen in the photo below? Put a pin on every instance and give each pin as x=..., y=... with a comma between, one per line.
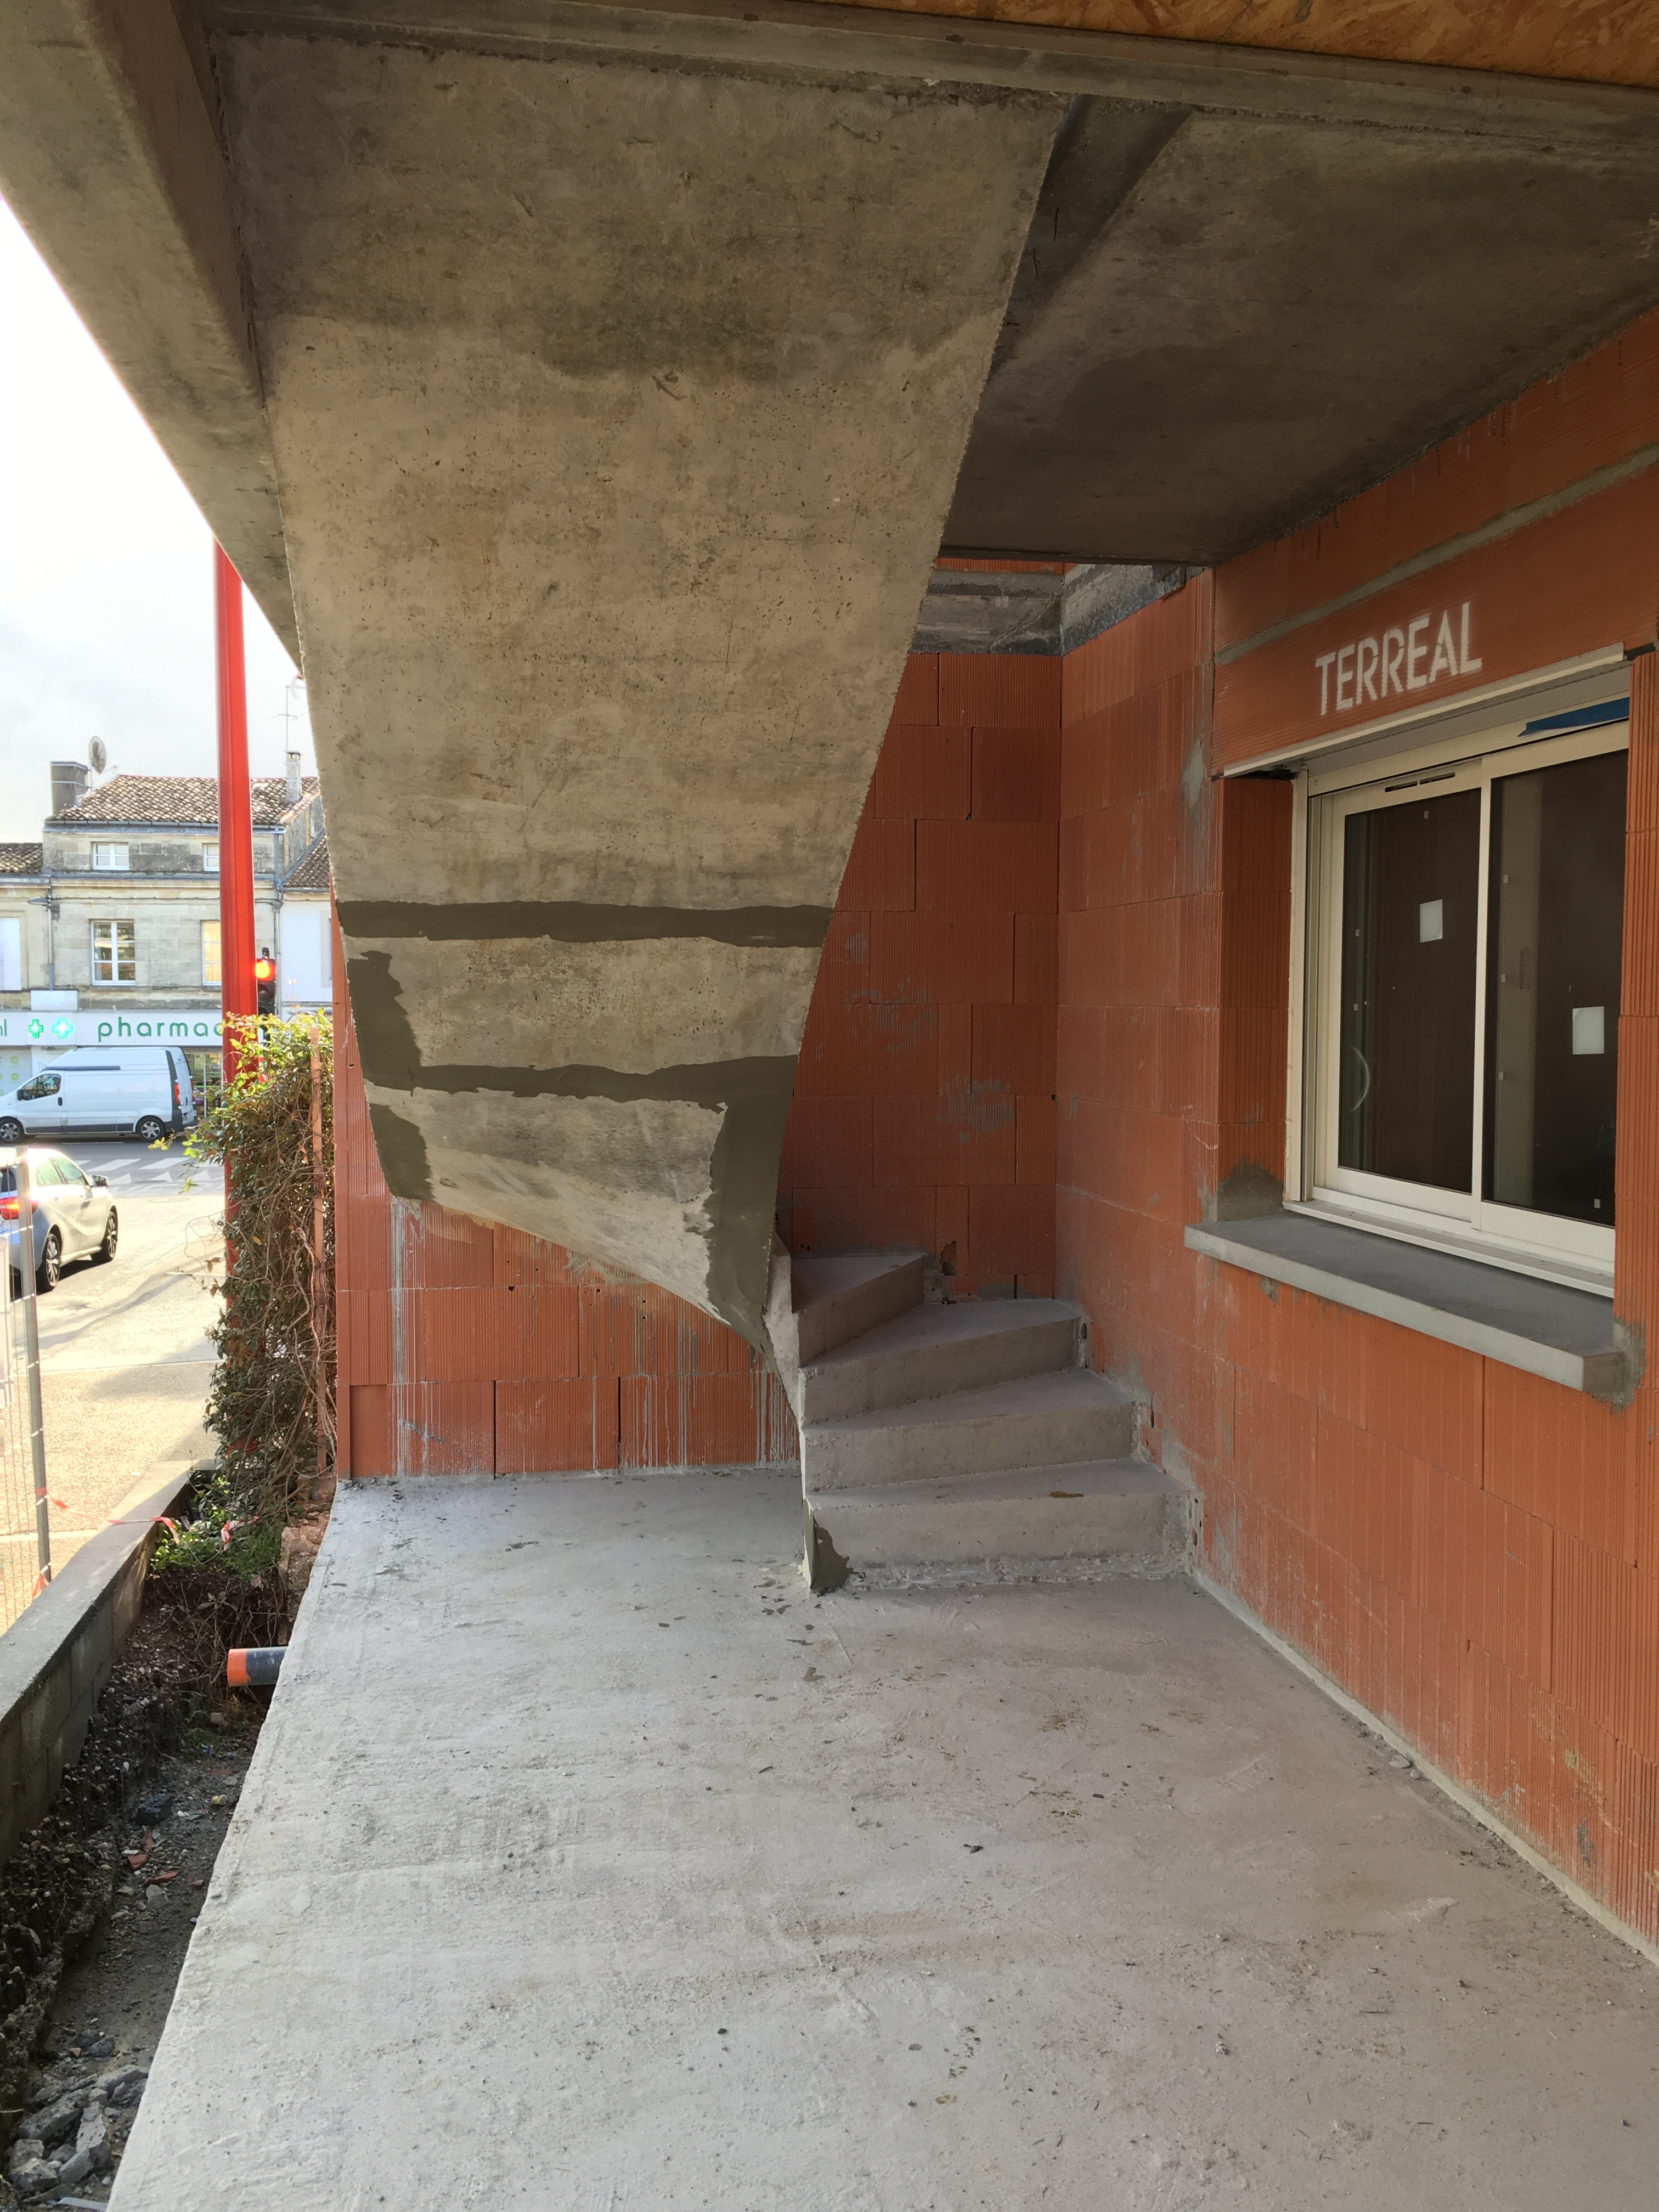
x=933, y=1350
x=1110, y=1516
x=1040, y=1420
x=835, y=1299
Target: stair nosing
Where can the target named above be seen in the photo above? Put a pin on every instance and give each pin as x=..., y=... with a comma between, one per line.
x=1080, y=1382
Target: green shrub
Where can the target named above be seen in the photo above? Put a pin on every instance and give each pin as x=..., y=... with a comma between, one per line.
x=271, y=1403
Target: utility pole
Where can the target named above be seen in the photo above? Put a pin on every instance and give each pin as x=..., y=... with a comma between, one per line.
x=238, y=992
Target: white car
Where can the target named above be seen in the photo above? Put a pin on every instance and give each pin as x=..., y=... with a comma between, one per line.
x=75, y=1216
x=122, y=1090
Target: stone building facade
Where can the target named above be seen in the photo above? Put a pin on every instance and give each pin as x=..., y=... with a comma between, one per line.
x=109, y=925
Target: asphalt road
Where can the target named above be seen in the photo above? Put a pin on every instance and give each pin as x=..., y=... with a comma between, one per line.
x=124, y=1356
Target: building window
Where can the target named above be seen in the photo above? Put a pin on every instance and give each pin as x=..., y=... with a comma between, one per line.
x=211, y=971
x=210, y=860
x=113, y=959
x=11, y=952
x=110, y=859
x=1465, y=923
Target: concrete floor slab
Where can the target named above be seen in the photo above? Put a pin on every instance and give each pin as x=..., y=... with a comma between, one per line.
x=587, y=1863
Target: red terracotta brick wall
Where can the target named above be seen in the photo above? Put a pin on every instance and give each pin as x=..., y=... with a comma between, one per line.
x=1140, y=1004
x=924, y=1111
x=469, y=1350
x=1471, y=1552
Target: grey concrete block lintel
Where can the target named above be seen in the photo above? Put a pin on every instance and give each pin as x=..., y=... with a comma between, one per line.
x=1568, y=1336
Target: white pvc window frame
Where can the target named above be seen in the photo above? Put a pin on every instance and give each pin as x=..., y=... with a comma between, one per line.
x=1328, y=792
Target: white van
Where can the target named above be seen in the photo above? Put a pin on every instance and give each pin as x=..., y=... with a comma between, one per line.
x=132, y=1090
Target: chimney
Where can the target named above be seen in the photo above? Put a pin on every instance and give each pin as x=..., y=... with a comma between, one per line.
x=295, y=792
x=68, y=784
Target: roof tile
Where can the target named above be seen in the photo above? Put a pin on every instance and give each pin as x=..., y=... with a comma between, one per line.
x=190, y=801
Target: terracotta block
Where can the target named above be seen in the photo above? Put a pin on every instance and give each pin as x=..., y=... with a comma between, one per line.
x=828, y=1140
x=1426, y=1396
x=1641, y=793
x=1185, y=1068
x=1636, y=1262
x=918, y=691
x=1004, y=690
x=1114, y=1054
x=365, y=1449
x=962, y=1136
x=1013, y=1046
x=1035, y=1142
x=955, y=1047
x=881, y=868
x=446, y=1251
x=1254, y=826
x=551, y=1323
x=444, y=1428
x=1560, y=1455
x=470, y=1335
x=1010, y=1229
x=924, y=773
x=1010, y=866
x=1015, y=775
x=883, y=1042
x=1274, y=1437
x=1036, y=959
x=1485, y=1569
x=1252, y=1051
x=863, y=1218
x=556, y=1427
x=1606, y=1639
x=363, y=1330
x=1085, y=759
x=526, y=1262
x=362, y=1244
x=1199, y=955
x=1255, y=949
x=709, y=1421
x=965, y=958
x=1120, y=956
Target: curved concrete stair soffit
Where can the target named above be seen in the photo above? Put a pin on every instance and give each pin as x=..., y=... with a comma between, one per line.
x=615, y=410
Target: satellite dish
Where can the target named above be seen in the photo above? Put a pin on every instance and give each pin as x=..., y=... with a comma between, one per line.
x=98, y=757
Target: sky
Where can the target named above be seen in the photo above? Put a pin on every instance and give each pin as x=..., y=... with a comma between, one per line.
x=106, y=573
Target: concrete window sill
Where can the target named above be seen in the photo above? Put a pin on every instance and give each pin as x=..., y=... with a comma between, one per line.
x=1568, y=1336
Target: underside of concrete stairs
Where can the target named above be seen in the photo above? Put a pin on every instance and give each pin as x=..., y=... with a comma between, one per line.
x=960, y=1442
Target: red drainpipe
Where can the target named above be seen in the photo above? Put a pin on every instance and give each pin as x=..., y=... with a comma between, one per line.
x=238, y=991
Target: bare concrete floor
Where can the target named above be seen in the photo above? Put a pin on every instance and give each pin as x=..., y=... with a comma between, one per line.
x=587, y=1863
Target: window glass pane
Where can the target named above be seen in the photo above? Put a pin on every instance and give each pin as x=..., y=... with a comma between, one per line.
x=1410, y=880
x=1558, y=900
x=210, y=969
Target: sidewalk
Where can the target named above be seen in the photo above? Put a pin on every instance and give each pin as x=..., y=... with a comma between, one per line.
x=587, y=1864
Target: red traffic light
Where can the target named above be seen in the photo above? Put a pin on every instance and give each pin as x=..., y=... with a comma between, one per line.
x=264, y=971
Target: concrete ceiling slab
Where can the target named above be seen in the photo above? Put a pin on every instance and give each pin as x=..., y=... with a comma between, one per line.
x=1224, y=325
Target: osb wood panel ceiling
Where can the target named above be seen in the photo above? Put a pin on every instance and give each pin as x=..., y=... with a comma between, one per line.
x=1599, y=41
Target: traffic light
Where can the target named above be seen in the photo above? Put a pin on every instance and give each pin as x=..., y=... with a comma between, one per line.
x=265, y=979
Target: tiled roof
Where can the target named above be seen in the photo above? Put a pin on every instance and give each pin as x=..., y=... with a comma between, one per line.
x=312, y=874
x=191, y=801
x=22, y=860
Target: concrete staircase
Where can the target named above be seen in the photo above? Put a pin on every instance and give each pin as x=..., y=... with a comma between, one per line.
x=959, y=1441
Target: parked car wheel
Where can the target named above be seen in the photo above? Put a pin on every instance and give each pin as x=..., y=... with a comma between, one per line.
x=112, y=1237
x=11, y=1132
x=51, y=1262
x=151, y=1130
